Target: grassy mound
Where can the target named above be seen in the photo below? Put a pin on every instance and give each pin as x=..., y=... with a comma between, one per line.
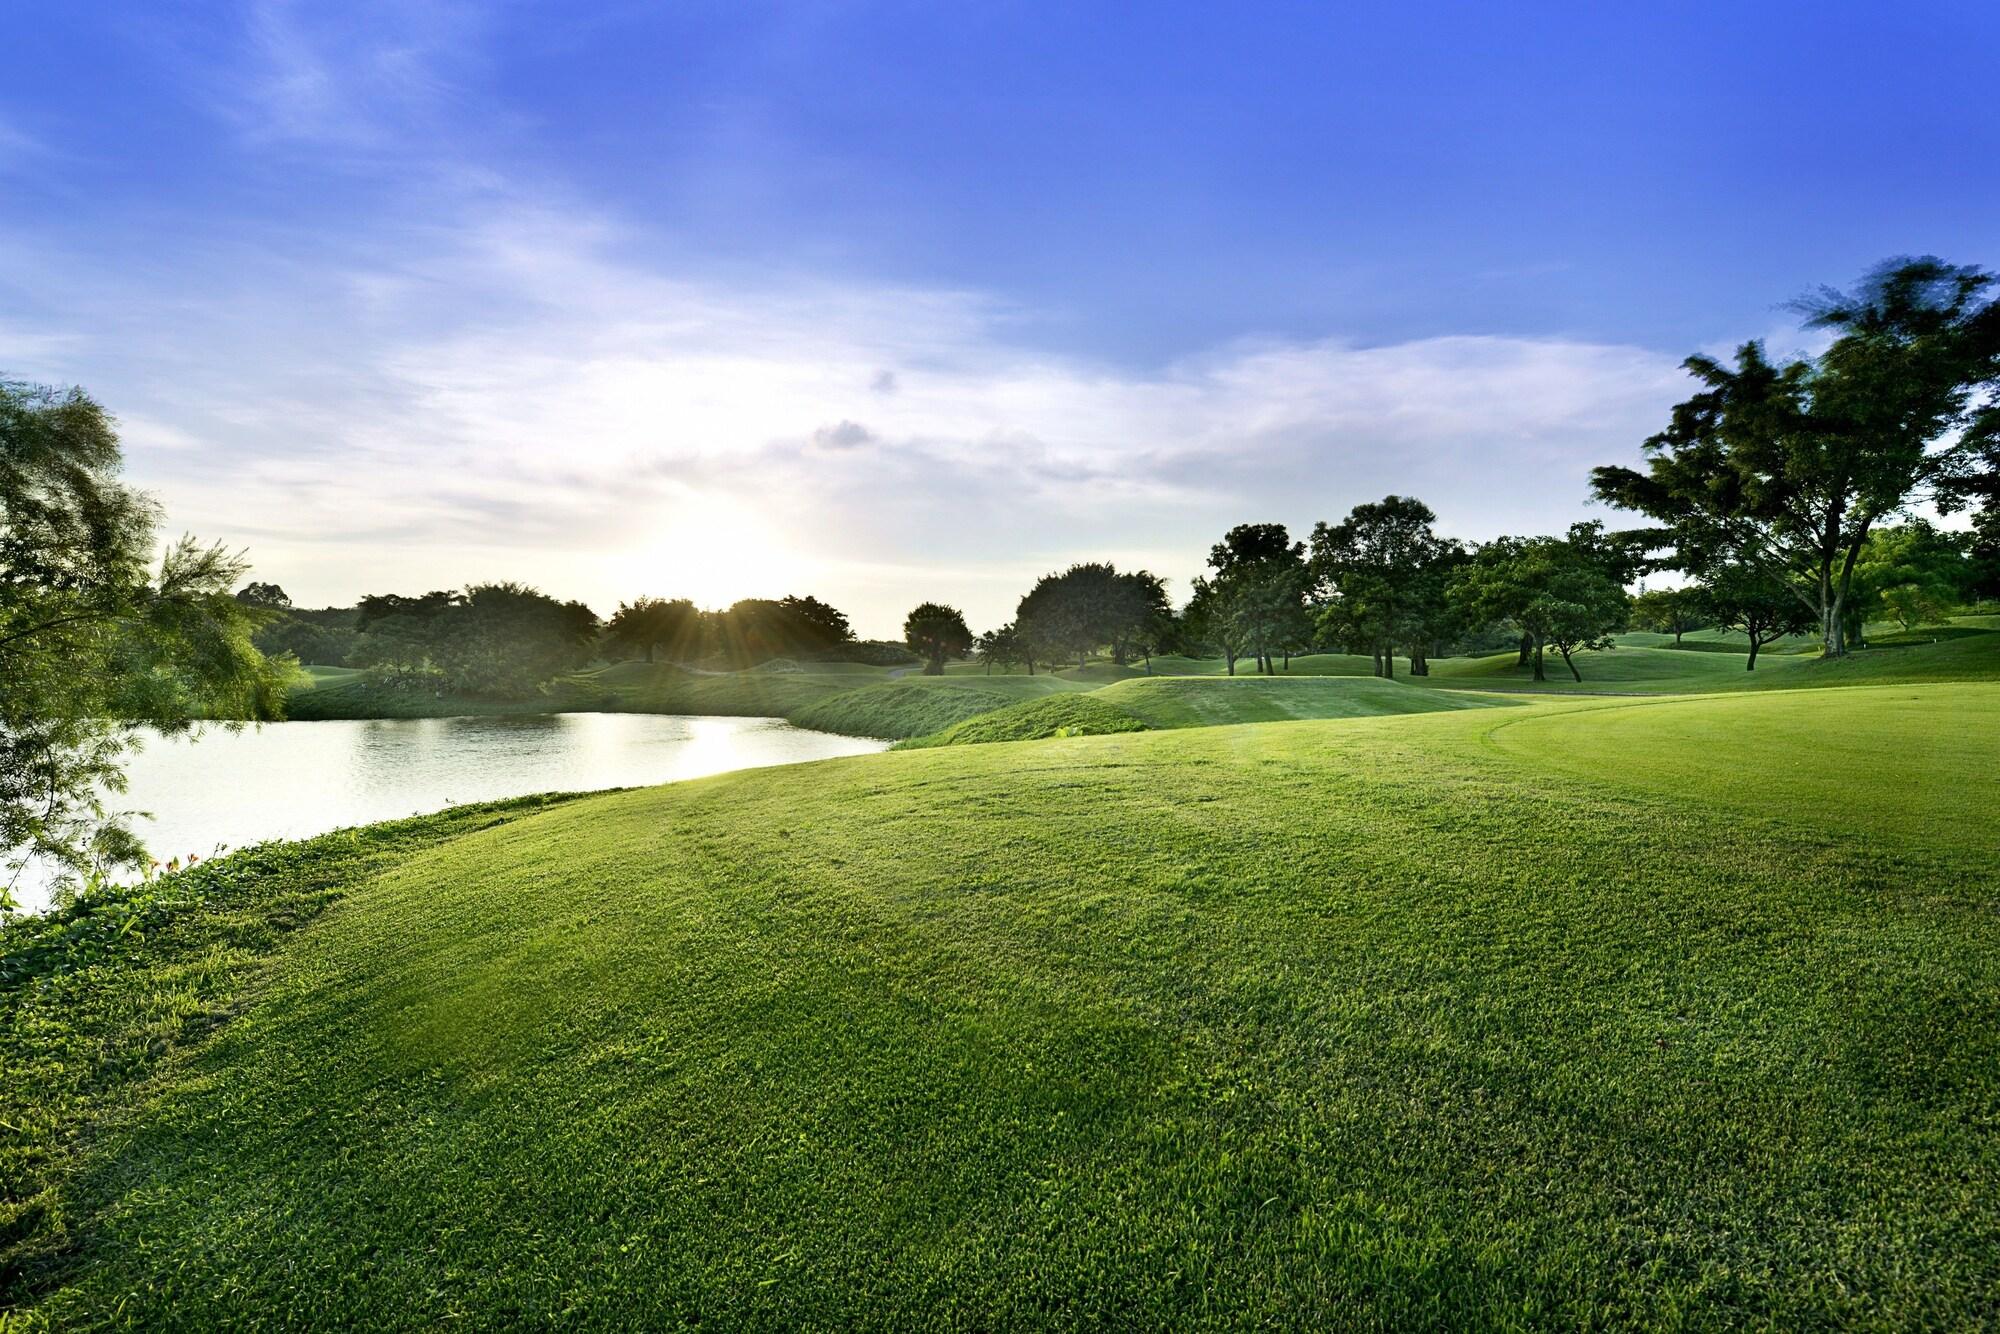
x=1035, y=720
x=1209, y=701
x=1970, y=655
x=1442, y=1020
x=919, y=705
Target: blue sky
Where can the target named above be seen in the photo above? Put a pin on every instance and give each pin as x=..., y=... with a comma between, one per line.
x=898, y=301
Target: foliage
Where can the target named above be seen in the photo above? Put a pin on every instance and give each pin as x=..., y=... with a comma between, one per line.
x=1004, y=647
x=1093, y=606
x=1914, y=571
x=95, y=647
x=1253, y=601
x=935, y=632
x=1789, y=467
x=1671, y=611
x=1560, y=592
x=647, y=625
x=1381, y=575
x=1913, y=605
x=1746, y=599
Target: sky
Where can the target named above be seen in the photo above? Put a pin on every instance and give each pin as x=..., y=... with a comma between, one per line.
x=899, y=302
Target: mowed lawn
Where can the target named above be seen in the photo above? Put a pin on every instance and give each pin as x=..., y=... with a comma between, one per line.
x=1571, y=1013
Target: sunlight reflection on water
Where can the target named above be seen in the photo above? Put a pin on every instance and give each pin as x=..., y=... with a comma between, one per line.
x=293, y=780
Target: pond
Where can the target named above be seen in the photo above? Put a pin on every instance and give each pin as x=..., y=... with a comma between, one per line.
x=292, y=780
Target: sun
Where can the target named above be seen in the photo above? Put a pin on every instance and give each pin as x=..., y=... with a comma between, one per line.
x=714, y=551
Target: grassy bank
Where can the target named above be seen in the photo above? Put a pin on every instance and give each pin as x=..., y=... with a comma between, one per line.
x=1446, y=1019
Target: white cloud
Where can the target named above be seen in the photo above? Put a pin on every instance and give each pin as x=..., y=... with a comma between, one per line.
x=496, y=381
x=560, y=413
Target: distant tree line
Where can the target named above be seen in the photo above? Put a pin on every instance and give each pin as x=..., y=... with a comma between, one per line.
x=506, y=640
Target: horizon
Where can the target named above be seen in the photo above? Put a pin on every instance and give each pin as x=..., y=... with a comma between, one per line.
x=890, y=306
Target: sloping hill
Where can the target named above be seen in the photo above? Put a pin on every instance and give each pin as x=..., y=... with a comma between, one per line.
x=1443, y=1020
x=1211, y=701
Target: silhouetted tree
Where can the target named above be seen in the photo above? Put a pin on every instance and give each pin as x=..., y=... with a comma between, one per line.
x=934, y=633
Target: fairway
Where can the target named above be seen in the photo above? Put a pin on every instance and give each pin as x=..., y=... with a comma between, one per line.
x=1434, y=1020
x=1797, y=754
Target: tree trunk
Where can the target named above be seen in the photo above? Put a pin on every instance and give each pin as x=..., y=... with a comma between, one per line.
x=1567, y=663
x=1420, y=663
x=936, y=667
x=1031, y=662
x=1526, y=642
x=1538, y=661
x=1288, y=660
x=1374, y=660
x=1232, y=662
x=1389, y=663
x=1677, y=636
x=1751, y=665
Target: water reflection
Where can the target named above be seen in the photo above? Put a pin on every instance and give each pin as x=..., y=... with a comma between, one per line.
x=292, y=780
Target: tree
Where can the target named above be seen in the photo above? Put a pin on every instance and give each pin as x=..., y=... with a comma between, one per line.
x=1788, y=467
x=1670, y=611
x=1088, y=607
x=1370, y=572
x=1560, y=592
x=1003, y=647
x=97, y=642
x=398, y=637
x=935, y=632
x=506, y=640
x=648, y=625
x=1928, y=570
x=1913, y=605
x=1140, y=611
x=257, y=594
x=1746, y=599
x=815, y=626
x=1254, y=603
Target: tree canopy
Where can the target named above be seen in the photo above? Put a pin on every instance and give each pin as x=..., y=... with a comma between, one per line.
x=1563, y=593
x=97, y=640
x=1381, y=576
x=934, y=633
x=1789, y=466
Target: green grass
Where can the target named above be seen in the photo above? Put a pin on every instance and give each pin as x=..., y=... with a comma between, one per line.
x=1082, y=713
x=919, y=705
x=98, y=997
x=1444, y=1020
x=1206, y=702
x=1971, y=656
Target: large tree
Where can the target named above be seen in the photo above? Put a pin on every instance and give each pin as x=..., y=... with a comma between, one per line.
x=1373, y=572
x=650, y=625
x=1789, y=466
x=1003, y=647
x=1253, y=603
x=1088, y=607
x=97, y=641
x=934, y=633
x=1558, y=592
x=506, y=640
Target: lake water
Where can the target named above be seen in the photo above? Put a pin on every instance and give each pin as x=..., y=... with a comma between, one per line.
x=293, y=780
